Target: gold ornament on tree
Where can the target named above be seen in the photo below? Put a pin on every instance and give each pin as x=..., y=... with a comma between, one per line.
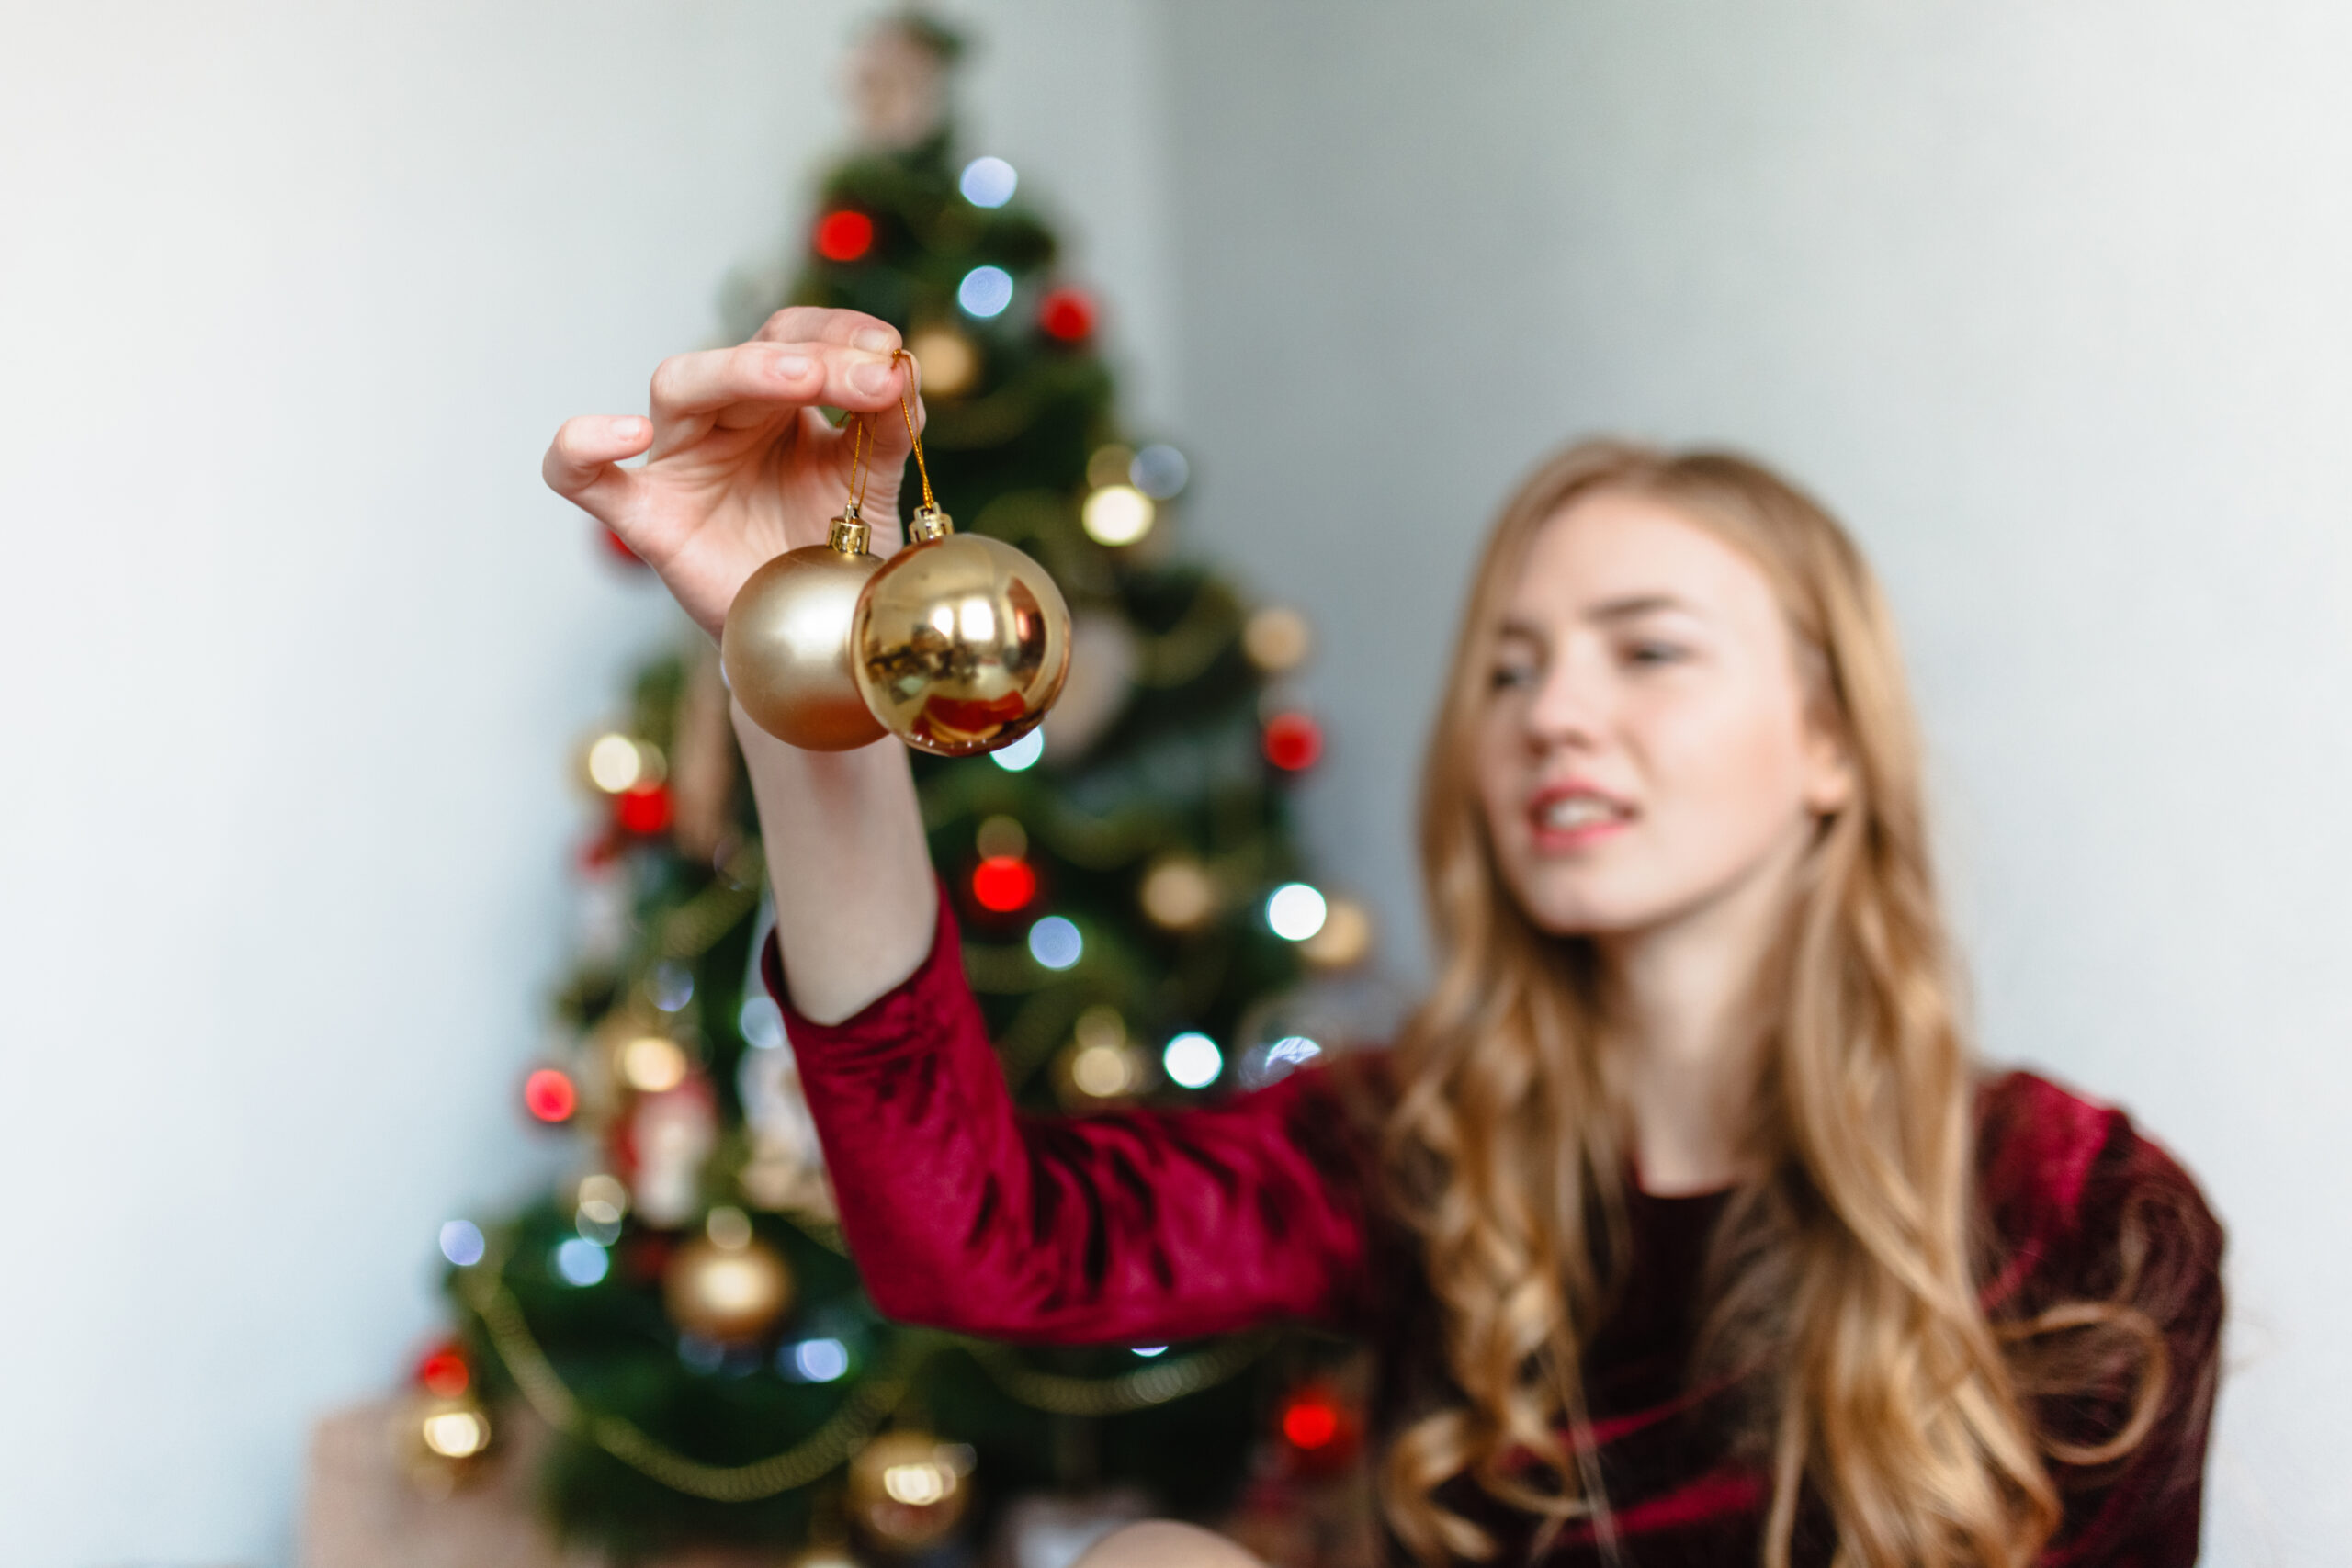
x=785, y=647
x=727, y=1284
x=960, y=642
x=906, y=1489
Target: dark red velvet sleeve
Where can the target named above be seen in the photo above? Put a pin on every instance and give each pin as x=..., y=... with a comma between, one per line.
x=2096, y=1213
x=1135, y=1229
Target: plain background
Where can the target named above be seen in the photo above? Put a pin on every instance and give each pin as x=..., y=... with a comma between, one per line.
x=2051, y=303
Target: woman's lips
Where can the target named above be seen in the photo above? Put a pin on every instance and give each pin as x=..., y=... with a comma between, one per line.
x=1574, y=818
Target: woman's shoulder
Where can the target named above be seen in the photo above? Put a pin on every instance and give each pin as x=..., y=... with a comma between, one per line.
x=2068, y=1184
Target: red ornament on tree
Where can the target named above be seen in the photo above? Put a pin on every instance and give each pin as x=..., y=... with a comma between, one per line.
x=1293, y=741
x=844, y=235
x=1320, y=1430
x=645, y=808
x=443, y=1373
x=1067, y=314
x=548, y=1094
x=1001, y=883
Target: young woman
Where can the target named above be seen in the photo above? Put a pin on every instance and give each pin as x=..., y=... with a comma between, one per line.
x=1687, y=1227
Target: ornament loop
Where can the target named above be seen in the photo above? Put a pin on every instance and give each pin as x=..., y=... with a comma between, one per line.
x=907, y=411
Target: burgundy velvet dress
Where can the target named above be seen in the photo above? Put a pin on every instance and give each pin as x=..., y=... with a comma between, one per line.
x=1145, y=1227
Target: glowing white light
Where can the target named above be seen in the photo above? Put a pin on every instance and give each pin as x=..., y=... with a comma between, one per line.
x=820, y=1360
x=1022, y=754
x=461, y=1243
x=1159, y=471
x=1148, y=1351
x=1054, y=942
x=988, y=181
x=1296, y=911
x=614, y=763
x=943, y=619
x=761, y=1022
x=653, y=1063
x=985, y=291
x=979, y=621
x=670, y=985
x=1291, y=1051
x=580, y=1261
x=1193, y=1060
x=456, y=1434
x=1117, y=514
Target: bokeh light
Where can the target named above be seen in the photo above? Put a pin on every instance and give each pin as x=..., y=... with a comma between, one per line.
x=761, y=1022
x=844, y=235
x=653, y=1064
x=1004, y=883
x=1054, y=942
x=1192, y=1060
x=985, y=292
x=456, y=1434
x=445, y=1373
x=1295, y=911
x=815, y=1361
x=615, y=763
x=988, y=181
x=1148, y=1351
x=1160, y=472
x=1293, y=741
x=580, y=1261
x=461, y=1243
x=1022, y=754
x=548, y=1094
x=1117, y=514
x=670, y=985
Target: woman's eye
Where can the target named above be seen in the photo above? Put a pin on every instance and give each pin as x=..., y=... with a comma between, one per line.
x=1653, y=652
x=1506, y=676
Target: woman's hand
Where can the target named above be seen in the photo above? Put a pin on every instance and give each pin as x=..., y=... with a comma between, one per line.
x=743, y=467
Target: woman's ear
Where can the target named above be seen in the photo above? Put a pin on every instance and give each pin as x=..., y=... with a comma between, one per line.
x=1829, y=781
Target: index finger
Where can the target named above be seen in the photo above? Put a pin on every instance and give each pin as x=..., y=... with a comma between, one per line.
x=816, y=323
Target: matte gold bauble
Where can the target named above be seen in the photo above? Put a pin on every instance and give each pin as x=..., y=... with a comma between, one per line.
x=960, y=642
x=727, y=1285
x=906, y=1489
x=786, y=647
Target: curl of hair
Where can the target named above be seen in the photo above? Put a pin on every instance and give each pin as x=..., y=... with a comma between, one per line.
x=1842, y=1289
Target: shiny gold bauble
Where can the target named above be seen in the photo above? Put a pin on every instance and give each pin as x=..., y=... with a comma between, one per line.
x=961, y=642
x=728, y=1286
x=906, y=1489
x=786, y=647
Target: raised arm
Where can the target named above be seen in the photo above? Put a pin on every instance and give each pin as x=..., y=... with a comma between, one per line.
x=1135, y=1229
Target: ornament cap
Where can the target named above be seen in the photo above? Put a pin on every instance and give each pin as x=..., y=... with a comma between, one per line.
x=851, y=534
x=930, y=525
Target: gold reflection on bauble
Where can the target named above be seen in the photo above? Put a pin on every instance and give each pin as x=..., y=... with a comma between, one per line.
x=960, y=642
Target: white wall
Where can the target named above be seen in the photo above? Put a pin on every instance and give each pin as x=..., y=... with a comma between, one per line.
x=2054, y=304
x=291, y=297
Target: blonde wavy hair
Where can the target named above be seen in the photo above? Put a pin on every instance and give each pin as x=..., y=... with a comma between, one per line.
x=1841, y=1276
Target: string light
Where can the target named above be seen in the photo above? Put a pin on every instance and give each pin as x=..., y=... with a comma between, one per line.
x=456, y=1434
x=1147, y=1351
x=580, y=1261
x=985, y=292
x=1295, y=911
x=1022, y=754
x=461, y=1243
x=814, y=1361
x=988, y=181
x=653, y=1064
x=548, y=1094
x=1192, y=1060
x=1160, y=472
x=1117, y=514
x=844, y=235
x=1004, y=883
x=1054, y=942
x=762, y=1022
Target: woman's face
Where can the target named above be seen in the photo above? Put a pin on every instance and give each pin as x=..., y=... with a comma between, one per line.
x=1645, y=750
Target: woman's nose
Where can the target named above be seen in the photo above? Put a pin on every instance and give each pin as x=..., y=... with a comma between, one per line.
x=1566, y=707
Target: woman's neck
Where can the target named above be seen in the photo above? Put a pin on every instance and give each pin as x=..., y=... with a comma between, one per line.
x=1682, y=999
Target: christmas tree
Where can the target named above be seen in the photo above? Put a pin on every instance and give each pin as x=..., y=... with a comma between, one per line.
x=1136, y=919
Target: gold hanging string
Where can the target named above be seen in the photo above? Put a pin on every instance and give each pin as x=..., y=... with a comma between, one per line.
x=859, y=469
x=907, y=411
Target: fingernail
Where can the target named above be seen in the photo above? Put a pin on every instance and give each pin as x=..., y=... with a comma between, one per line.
x=871, y=378
x=793, y=366
x=873, y=340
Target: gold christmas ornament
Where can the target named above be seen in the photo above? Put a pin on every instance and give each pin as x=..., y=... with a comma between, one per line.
x=727, y=1284
x=960, y=642
x=786, y=647
x=907, y=1490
